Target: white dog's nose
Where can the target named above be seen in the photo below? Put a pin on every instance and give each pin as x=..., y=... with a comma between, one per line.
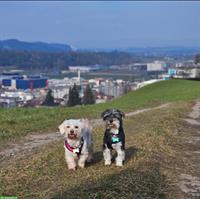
x=71, y=131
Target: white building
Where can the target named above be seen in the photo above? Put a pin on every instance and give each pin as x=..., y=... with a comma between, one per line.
x=194, y=73
x=79, y=68
x=60, y=93
x=15, y=98
x=23, y=96
x=112, y=88
x=156, y=66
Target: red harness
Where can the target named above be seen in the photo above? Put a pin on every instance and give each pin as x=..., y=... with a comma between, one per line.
x=72, y=149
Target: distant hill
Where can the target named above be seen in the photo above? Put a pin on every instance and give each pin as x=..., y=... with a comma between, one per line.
x=16, y=45
x=163, y=51
x=172, y=51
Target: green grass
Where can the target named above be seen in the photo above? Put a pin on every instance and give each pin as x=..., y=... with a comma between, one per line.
x=17, y=122
x=44, y=174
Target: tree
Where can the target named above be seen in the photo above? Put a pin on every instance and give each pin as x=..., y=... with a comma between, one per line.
x=74, y=98
x=49, y=100
x=70, y=99
x=88, y=97
x=197, y=58
x=126, y=89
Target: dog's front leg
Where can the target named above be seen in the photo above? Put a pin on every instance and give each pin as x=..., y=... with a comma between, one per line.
x=82, y=160
x=70, y=162
x=107, y=156
x=120, y=156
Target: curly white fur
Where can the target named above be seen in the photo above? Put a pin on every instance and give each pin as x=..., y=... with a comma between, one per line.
x=81, y=130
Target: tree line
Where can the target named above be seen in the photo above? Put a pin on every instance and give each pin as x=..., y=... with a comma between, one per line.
x=48, y=61
x=74, y=98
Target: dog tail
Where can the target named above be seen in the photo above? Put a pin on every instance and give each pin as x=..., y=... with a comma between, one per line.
x=86, y=125
x=88, y=136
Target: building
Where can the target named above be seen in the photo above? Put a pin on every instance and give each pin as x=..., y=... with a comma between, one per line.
x=194, y=73
x=14, y=98
x=79, y=68
x=112, y=88
x=138, y=67
x=156, y=66
x=24, y=82
x=84, y=69
x=171, y=72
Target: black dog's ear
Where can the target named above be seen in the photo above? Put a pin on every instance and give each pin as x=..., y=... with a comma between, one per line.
x=103, y=114
x=121, y=113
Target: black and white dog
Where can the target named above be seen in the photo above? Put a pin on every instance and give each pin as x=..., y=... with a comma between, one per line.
x=114, y=137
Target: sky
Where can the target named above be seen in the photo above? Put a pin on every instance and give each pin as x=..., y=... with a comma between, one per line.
x=102, y=24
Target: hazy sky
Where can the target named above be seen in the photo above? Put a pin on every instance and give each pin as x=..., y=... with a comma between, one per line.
x=102, y=24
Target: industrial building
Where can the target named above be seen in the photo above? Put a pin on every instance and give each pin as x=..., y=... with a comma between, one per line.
x=156, y=66
x=24, y=82
x=112, y=88
x=83, y=68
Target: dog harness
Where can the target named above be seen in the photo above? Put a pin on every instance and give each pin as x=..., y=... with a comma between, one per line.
x=77, y=150
x=115, y=138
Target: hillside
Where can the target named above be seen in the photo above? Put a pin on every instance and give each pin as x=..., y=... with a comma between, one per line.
x=162, y=149
x=46, y=61
x=16, y=45
x=155, y=161
x=17, y=122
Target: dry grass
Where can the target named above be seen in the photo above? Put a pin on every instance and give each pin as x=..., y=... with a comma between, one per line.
x=147, y=172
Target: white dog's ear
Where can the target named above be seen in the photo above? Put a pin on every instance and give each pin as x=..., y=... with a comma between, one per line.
x=62, y=128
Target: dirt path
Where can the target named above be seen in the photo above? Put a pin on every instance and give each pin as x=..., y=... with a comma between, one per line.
x=189, y=182
x=146, y=109
x=34, y=141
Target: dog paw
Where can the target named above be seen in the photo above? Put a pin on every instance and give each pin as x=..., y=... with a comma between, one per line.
x=81, y=165
x=107, y=163
x=119, y=164
x=72, y=168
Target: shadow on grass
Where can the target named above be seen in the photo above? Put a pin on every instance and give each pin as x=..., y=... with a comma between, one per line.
x=98, y=156
x=130, y=152
x=143, y=182
x=130, y=184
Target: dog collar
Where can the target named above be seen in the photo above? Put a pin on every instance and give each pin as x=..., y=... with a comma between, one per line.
x=72, y=149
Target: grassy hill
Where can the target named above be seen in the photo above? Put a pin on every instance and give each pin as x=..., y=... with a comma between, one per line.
x=149, y=171
x=18, y=122
x=153, y=149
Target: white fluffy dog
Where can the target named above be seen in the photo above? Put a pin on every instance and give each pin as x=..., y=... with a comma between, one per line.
x=78, y=142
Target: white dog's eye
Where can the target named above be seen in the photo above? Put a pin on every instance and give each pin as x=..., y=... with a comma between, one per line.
x=76, y=127
x=68, y=126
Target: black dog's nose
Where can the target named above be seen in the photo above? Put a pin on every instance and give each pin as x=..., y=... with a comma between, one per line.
x=111, y=120
x=71, y=131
